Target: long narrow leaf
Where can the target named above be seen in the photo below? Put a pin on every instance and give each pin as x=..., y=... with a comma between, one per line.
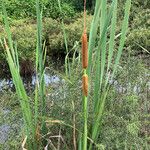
x=123, y=35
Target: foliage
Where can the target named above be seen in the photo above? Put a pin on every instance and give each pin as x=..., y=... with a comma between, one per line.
x=30, y=116
x=125, y=121
x=125, y=109
x=103, y=61
x=141, y=37
x=138, y=38
x=25, y=36
x=79, y=4
x=141, y=19
x=26, y=8
x=24, y=33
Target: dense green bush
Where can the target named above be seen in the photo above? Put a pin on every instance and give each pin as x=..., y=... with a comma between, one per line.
x=139, y=34
x=55, y=38
x=25, y=36
x=52, y=10
x=24, y=30
x=138, y=38
x=24, y=33
x=79, y=4
x=20, y=8
x=141, y=19
x=27, y=8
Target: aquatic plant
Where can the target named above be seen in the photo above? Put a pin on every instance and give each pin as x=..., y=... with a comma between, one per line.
x=100, y=59
x=30, y=116
x=103, y=59
x=85, y=80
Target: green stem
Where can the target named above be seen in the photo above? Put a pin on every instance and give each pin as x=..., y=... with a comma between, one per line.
x=85, y=123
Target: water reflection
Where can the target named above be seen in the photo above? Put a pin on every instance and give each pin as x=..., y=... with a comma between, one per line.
x=52, y=80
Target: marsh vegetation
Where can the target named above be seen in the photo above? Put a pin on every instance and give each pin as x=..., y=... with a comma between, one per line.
x=75, y=75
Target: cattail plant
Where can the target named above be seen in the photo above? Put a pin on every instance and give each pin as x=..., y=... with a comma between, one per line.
x=85, y=79
x=101, y=48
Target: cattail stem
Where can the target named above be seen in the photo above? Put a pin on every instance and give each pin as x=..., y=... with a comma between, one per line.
x=85, y=128
x=84, y=14
x=85, y=80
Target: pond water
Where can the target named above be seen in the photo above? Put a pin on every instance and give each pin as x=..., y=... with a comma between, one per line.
x=4, y=128
x=5, y=84
x=4, y=133
x=54, y=81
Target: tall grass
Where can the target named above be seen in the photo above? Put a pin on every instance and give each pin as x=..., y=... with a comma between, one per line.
x=30, y=116
x=40, y=58
x=67, y=62
x=101, y=48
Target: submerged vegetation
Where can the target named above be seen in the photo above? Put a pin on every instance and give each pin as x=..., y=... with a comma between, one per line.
x=99, y=100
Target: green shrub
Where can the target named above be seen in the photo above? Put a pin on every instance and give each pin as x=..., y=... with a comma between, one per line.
x=25, y=36
x=20, y=8
x=75, y=29
x=26, y=8
x=52, y=10
x=141, y=19
x=139, y=34
x=24, y=33
x=54, y=35
x=139, y=37
x=79, y=4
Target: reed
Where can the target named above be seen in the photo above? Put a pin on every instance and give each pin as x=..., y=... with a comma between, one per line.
x=30, y=116
x=40, y=69
x=105, y=65
x=67, y=62
x=85, y=80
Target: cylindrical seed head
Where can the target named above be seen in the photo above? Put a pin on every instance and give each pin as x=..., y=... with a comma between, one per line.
x=85, y=84
x=84, y=51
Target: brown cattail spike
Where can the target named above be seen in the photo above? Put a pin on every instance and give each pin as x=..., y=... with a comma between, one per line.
x=84, y=51
x=85, y=85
